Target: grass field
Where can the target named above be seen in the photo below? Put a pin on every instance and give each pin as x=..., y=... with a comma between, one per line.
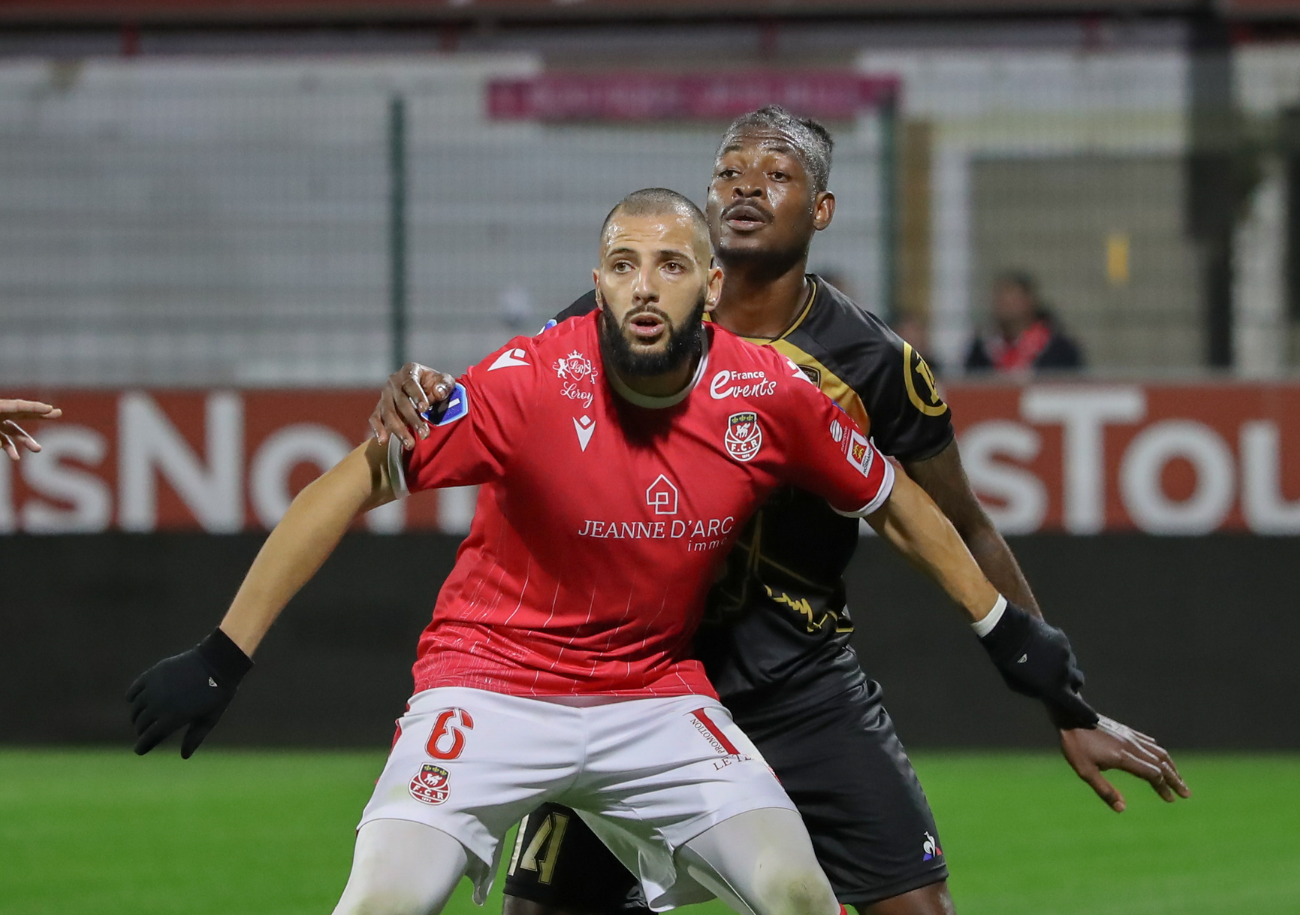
x=103, y=832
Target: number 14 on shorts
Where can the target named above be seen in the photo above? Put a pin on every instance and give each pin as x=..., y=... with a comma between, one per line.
x=544, y=849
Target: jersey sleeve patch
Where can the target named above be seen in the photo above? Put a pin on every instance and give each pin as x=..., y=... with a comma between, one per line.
x=922, y=390
x=454, y=407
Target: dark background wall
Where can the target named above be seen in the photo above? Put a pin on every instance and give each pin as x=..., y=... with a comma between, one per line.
x=1191, y=640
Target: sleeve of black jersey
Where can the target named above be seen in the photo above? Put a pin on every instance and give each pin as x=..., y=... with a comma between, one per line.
x=909, y=418
x=583, y=305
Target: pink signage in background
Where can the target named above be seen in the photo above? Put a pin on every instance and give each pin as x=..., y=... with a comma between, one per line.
x=829, y=95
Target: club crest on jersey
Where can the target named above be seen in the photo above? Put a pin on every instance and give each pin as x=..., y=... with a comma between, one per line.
x=744, y=436
x=431, y=785
x=575, y=367
x=858, y=451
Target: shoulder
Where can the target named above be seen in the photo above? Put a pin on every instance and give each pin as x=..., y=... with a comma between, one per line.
x=847, y=348
x=865, y=366
x=1060, y=352
x=583, y=305
x=738, y=368
x=844, y=330
x=507, y=365
x=863, y=352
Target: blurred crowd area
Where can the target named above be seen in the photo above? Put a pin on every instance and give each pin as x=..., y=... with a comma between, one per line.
x=210, y=205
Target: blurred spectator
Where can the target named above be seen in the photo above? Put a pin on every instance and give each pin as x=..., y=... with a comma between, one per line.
x=1026, y=337
x=12, y=435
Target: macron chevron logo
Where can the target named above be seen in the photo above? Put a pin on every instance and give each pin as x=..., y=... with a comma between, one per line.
x=584, y=427
x=509, y=359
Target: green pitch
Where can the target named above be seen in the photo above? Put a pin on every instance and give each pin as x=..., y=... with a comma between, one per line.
x=103, y=832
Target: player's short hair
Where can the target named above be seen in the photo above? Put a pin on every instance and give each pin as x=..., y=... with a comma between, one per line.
x=811, y=142
x=653, y=201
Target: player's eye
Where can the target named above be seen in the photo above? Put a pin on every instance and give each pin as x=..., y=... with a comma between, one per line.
x=779, y=176
x=622, y=266
x=674, y=267
x=728, y=173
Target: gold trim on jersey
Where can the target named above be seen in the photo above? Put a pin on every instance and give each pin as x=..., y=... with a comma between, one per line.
x=936, y=406
x=832, y=385
x=794, y=325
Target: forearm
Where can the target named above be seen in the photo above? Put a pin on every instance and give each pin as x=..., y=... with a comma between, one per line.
x=944, y=479
x=999, y=564
x=301, y=542
x=915, y=526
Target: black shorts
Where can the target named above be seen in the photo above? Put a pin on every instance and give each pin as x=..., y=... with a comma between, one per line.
x=844, y=768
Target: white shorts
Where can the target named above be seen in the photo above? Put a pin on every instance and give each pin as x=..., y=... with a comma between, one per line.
x=648, y=775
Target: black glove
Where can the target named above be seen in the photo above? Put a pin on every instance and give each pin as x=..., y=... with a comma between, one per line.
x=1035, y=659
x=193, y=687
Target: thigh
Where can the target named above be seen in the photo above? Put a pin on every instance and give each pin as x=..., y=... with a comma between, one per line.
x=761, y=862
x=658, y=773
x=470, y=763
x=844, y=767
x=402, y=868
x=560, y=864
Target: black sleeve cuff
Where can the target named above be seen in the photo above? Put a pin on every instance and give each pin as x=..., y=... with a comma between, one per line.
x=226, y=659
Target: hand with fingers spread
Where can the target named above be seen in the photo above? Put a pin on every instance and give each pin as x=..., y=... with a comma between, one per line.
x=1111, y=745
x=410, y=391
x=13, y=435
x=192, y=688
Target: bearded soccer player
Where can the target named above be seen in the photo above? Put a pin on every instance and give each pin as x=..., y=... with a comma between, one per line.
x=775, y=639
x=557, y=665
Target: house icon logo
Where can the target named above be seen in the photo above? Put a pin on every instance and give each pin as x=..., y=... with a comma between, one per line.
x=661, y=495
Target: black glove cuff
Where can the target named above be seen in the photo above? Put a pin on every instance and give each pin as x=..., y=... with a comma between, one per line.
x=224, y=658
x=1007, y=640
x=1035, y=660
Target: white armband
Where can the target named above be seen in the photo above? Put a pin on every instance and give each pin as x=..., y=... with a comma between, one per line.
x=397, y=468
x=986, y=625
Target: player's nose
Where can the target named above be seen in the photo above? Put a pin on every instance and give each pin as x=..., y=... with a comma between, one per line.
x=643, y=289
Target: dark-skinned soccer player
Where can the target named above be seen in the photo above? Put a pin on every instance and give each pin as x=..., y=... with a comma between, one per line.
x=777, y=644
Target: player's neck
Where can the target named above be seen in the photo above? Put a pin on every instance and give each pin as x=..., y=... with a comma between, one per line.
x=756, y=304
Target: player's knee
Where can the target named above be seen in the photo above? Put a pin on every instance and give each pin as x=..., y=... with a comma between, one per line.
x=380, y=900
x=379, y=891
x=792, y=888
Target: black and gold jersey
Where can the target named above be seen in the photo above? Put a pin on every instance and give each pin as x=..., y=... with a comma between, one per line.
x=777, y=626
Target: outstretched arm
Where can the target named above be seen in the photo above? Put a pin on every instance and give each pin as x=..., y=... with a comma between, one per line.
x=1033, y=658
x=304, y=539
x=193, y=688
x=1110, y=745
x=915, y=526
x=944, y=480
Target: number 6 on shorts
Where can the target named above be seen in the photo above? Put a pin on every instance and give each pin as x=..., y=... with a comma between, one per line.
x=448, y=738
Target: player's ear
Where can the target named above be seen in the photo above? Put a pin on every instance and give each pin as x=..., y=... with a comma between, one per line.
x=823, y=210
x=714, y=289
x=600, y=298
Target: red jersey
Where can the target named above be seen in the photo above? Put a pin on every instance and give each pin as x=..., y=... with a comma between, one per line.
x=604, y=515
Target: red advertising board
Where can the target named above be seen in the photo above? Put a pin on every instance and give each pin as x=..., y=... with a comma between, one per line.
x=218, y=461
x=1161, y=458
x=827, y=94
x=1081, y=458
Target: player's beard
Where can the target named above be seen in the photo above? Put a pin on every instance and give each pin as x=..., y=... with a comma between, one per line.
x=684, y=341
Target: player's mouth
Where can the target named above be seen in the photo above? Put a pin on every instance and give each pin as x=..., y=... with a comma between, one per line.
x=646, y=328
x=745, y=217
